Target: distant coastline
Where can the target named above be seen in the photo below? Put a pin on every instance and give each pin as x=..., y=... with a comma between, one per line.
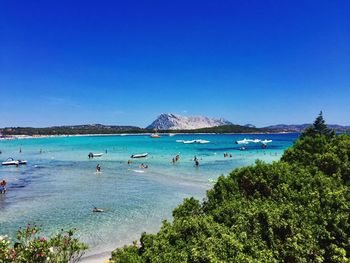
x=21, y=137
x=109, y=130
x=118, y=130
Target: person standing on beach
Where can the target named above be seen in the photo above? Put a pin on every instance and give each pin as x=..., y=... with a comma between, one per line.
x=3, y=187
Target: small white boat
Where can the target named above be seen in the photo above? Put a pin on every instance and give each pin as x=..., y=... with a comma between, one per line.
x=154, y=135
x=189, y=142
x=11, y=161
x=195, y=141
x=142, y=155
x=244, y=141
x=202, y=141
x=171, y=134
x=92, y=155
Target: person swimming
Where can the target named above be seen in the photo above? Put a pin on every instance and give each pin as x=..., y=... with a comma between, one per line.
x=97, y=210
x=143, y=166
x=98, y=168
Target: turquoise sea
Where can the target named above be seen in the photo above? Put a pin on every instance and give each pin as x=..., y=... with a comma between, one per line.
x=59, y=186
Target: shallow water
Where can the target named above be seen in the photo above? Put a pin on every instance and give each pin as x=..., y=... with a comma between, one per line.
x=59, y=187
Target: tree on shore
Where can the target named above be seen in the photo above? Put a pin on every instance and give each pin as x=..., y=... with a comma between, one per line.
x=319, y=127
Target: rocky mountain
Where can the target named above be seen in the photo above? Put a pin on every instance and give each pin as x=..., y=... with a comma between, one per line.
x=168, y=121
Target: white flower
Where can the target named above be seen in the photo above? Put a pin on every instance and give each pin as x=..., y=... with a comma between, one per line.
x=51, y=249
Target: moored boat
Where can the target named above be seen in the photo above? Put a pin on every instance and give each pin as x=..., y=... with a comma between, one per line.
x=202, y=141
x=188, y=142
x=195, y=141
x=142, y=155
x=11, y=161
x=154, y=135
x=92, y=155
x=247, y=141
x=244, y=141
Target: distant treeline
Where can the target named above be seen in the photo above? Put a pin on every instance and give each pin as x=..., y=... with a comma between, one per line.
x=66, y=131
x=225, y=129
x=101, y=129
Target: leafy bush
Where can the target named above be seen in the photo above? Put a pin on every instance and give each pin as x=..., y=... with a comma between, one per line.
x=31, y=247
x=293, y=210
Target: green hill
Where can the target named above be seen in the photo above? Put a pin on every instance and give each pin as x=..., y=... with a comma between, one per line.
x=224, y=129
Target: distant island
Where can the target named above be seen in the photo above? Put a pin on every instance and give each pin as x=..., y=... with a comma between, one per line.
x=165, y=123
x=169, y=121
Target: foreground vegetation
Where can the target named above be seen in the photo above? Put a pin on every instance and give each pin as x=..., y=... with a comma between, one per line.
x=30, y=246
x=293, y=210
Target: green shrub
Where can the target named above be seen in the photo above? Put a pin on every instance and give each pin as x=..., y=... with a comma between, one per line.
x=293, y=210
x=31, y=247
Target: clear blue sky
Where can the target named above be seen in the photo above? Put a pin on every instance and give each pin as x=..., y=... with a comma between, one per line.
x=125, y=62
